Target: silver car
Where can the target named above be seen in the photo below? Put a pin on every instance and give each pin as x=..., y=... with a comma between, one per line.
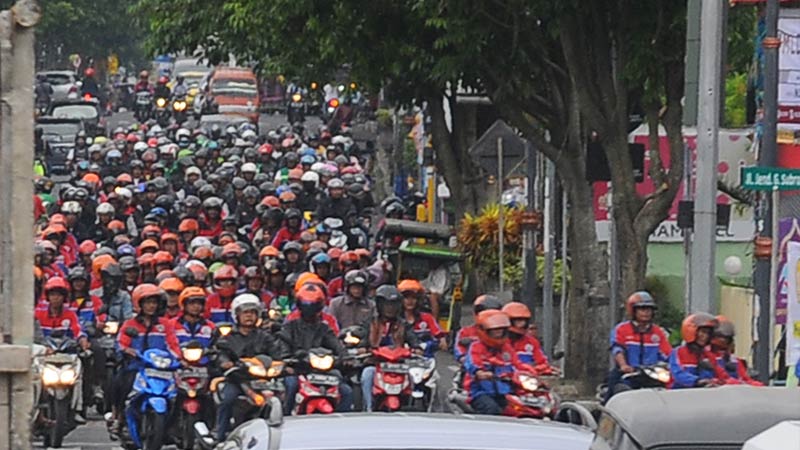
x=64, y=83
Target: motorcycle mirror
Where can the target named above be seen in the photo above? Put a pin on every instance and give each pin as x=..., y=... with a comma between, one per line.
x=204, y=437
x=558, y=355
x=131, y=332
x=192, y=344
x=265, y=360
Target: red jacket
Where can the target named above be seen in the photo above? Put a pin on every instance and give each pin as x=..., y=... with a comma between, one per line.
x=285, y=235
x=161, y=335
x=468, y=333
x=724, y=359
x=335, y=287
x=67, y=321
x=218, y=310
x=529, y=350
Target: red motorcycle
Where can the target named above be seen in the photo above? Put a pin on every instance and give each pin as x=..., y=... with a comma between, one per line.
x=318, y=391
x=529, y=397
x=391, y=387
x=193, y=399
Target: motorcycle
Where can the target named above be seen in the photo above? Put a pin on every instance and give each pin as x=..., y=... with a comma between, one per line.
x=424, y=378
x=147, y=408
x=193, y=402
x=143, y=106
x=392, y=386
x=179, y=107
x=60, y=373
x=318, y=391
x=529, y=396
x=107, y=342
x=356, y=343
x=328, y=109
x=261, y=388
x=656, y=376
x=162, y=112
x=295, y=110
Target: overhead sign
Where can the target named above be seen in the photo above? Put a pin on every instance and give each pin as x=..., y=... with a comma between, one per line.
x=770, y=178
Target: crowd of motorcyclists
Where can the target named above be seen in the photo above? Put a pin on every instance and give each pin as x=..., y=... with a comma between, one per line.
x=250, y=264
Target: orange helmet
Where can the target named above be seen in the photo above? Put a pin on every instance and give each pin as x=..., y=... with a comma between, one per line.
x=640, y=299
x=56, y=283
x=199, y=272
x=492, y=320
x=271, y=201
x=92, y=178
x=163, y=257
x=87, y=247
x=310, y=293
x=188, y=225
x=287, y=197
x=53, y=229
x=363, y=253
x=225, y=272
x=295, y=174
x=335, y=253
x=151, y=229
x=100, y=262
x=116, y=226
x=514, y=311
x=57, y=219
x=203, y=253
x=347, y=259
x=269, y=252
x=410, y=285
x=164, y=274
x=173, y=284
x=231, y=250
x=124, y=179
x=307, y=277
x=695, y=321
x=144, y=291
x=168, y=237
x=192, y=292
x=146, y=260
x=148, y=245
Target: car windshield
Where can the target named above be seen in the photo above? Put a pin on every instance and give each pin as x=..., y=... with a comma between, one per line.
x=75, y=111
x=58, y=79
x=59, y=129
x=234, y=87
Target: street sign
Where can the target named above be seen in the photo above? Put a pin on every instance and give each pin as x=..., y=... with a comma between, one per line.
x=770, y=178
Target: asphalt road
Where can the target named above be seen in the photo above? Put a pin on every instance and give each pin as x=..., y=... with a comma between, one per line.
x=93, y=436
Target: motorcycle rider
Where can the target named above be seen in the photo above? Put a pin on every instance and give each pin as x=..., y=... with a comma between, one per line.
x=190, y=325
x=308, y=332
x=488, y=361
x=162, y=90
x=219, y=305
x=638, y=341
x=467, y=335
x=387, y=329
x=722, y=347
x=334, y=203
x=90, y=85
x=354, y=307
x=529, y=350
x=693, y=364
x=144, y=82
x=44, y=92
x=246, y=340
x=147, y=330
x=422, y=324
x=117, y=303
x=180, y=89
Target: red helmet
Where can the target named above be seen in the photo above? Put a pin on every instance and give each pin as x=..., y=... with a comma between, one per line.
x=87, y=247
x=56, y=283
x=348, y=258
x=695, y=321
x=89, y=72
x=168, y=237
x=265, y=149
x=640, y=299
x=163, y=79
x=162, y=257
x=514, y=311
x=492, y=319
x=146, y=260
x=225, y=272
x=144, y=291
x=188, y=225
x=144, y=74
x=310, y=293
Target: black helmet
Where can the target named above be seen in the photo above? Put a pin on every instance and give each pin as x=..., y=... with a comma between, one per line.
x=207, y=190
x=212, y=202
x=388, y=301
x=486, y=302
x=261, y=178
x=239, y=183
x=78, y=273
x=267, y=188
x=160, y=183
x=275, y=214
x=293, y=213
x=293, y=246
x=355, y=277
x=165, y=201
x=111, y=270
x=192, y=202
x=252, y=191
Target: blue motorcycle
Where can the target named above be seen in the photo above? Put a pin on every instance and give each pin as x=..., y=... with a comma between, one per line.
x=147, y=409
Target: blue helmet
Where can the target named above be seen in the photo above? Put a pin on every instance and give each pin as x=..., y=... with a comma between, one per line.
x=321, y=258
x=308, y=159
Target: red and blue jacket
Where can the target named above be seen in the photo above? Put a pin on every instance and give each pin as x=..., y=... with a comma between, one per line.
x=67, y=321
x=201, y=331
x=87, y=308
x=502, y=362
x=218, y=310
x=468, y=333
x=640, y=348
x=285, y=235
x=160, y=335
x=529, y=350
x=428, y=331
x=735, y=367
x=684, y=361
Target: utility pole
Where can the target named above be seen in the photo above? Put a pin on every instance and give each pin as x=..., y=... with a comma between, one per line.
x=704, y=280
x=549, y=256
x=16, y=222
x=766, y=158
x=501, y=222
x=692, y=62
x=529, y=233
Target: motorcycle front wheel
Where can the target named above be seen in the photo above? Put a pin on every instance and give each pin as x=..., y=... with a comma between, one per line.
x=187, y=431
x=59, y=413
x=154, y=427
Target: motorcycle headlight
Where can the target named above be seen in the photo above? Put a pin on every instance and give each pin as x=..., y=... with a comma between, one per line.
x=313, y=86
x=257, y=371
x=274, y=314
x=322, y=363
x=225, y=330
x=68, y=375
x=350, y=339
x=179, y=106
x=50, y=375
x=275, y=370
x=661, y=374
x=161, y=102
x=192, y=354
x=529, y=383
x=296, y=98
x=161, y=362
x=111, y=328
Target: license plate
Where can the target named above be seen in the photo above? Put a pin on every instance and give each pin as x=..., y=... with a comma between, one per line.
x=394, y=367
x=533, y=401
x=195, y=372
x=393, y=389
x=262, y=385
x=327, y=380
x=163, y=374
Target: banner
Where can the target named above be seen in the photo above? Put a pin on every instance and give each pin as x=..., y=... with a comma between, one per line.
x=793, y=306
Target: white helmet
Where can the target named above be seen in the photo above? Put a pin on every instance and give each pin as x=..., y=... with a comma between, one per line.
x=199, y=241
x=182, y=132
x=244, y=302
x=317, y=167
x=124, y=193
x=249, y=167
x=140, y=147
x=105, y=208
x=71, y=207
x=249, y=135
x=310, y=177
x=194, y=170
